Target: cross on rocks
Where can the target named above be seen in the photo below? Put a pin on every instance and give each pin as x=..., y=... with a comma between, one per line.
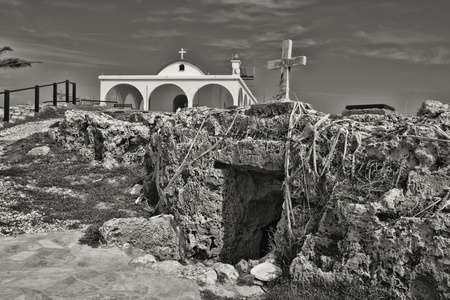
x=285, y=64
x=182, y=51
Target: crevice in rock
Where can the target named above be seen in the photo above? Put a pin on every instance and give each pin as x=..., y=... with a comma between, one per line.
x=252, y=205
x=267, y=231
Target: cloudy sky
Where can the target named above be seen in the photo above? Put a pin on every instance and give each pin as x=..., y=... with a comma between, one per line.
x=359, y=51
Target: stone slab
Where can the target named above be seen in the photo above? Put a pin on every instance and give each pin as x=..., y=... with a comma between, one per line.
x=22, y=255
x=49, y=244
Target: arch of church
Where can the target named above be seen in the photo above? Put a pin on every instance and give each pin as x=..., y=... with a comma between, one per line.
x=213, y=95
x=125, y=94
x=245, y=101
x=166, y=97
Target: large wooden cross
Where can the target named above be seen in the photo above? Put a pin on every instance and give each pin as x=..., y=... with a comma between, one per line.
x=285, y=64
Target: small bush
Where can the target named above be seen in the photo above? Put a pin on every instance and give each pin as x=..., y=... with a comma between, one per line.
x=92, y=236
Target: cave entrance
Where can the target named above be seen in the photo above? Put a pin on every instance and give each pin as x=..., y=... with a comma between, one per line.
x=252, y=207
x=266, y=233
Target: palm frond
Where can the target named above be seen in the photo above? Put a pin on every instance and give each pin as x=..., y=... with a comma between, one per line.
x=15, y=63
x=5, y=49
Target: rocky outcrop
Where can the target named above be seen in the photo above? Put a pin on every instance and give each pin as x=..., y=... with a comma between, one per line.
x=363, y=197
x=158, y=236
x=102, y=137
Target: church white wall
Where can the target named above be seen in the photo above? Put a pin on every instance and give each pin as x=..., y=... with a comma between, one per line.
x=174, y=70
x=145, y=85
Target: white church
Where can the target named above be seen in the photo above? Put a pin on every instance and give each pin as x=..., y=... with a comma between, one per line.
x=178, y=84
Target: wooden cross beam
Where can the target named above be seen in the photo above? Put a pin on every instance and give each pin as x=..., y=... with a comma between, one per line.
x=285, y=64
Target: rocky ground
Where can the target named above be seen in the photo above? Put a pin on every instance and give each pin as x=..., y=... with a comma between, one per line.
x=23, y=148
x=360, y=198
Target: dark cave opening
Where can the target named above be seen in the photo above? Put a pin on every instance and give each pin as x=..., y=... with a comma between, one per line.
x=267, y=233
x=252, y=207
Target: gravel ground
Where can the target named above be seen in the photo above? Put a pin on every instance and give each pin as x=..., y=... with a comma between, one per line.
x=10, y=135
x=10, y=192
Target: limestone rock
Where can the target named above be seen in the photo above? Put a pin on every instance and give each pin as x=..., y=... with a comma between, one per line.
x=432, y=108
x=226, y=273
x=167, y=267
x=101, y=137
x=39, y=151
x=242, y=266
x=208, y=278
x=249, y=291
x=222, y=292
x=380, y=180
x=136, y=190
x=246, y=279
x=266, y=271
x=132, y=251
x=158, y=235
x=142, y=261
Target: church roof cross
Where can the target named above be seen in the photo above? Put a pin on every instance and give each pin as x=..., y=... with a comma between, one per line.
x=285, y=64
x=182, y=51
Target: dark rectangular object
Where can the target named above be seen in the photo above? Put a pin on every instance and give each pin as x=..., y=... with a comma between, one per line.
x=122, y=105
x=6, y=109
x=74, y=93
x=36, y=98
x=369, y=106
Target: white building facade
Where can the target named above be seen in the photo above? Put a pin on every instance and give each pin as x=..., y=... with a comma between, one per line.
x=179, y=84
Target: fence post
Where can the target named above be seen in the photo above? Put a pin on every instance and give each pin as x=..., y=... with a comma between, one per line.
x=6, y=111
x=74, y=93
x=55, y=94
x=67, y=91
x=36, y=98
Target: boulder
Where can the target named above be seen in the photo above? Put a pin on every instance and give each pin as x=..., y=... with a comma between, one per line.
x=158, y=235
x=207, y=278
x=39, y=151
x=226, y=273
x=432, y=108
x=266, y=271
x=168, y=267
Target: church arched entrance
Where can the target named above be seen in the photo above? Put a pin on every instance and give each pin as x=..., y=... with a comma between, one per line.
x=213, y=95
x=124, y=94
x=180, y=101
x=163, y=97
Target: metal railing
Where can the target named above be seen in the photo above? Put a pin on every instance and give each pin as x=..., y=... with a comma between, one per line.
x=37, y=88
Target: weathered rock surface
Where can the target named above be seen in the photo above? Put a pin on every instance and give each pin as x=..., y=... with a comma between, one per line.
x=226, y=273
x=369, y=193
x=39, y=151
x=266, y=272
x=158, y=235
x=143, y=261
x=99, y=136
